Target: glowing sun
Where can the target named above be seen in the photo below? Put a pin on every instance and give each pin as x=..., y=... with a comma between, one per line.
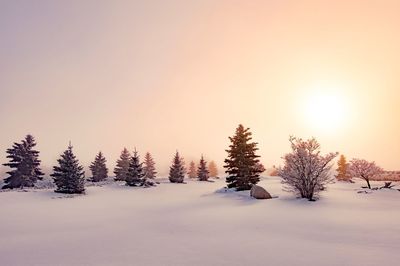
x=325, y=111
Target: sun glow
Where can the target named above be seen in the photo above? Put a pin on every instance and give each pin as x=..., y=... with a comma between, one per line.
x=325, y=111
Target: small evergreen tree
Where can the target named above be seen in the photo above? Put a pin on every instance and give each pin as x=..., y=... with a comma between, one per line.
x=121, y=170
x=99, y=168
x=342, y=170
x=212, y=167
x=192, y=170
x=241, y=161
x=25, y=164
x=136, y=176
x=177, y=170
x=149, y=167
x=202, y=171
x=69, y=176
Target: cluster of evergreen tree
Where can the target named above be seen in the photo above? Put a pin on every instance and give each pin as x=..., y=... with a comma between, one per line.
x=242, y=166
x=68, y=175
x=137, y=175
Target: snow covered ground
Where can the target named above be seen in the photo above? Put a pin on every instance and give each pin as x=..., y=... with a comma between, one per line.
x=191, y=224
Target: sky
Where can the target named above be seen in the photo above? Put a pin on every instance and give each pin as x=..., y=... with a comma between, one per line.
x=181, y=75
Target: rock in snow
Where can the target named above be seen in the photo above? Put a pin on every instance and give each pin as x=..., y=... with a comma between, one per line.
x=258, y=192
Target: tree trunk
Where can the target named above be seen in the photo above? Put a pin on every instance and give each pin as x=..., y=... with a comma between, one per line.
x=369, y=185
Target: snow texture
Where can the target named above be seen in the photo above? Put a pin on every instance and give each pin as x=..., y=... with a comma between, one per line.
x=199, y=224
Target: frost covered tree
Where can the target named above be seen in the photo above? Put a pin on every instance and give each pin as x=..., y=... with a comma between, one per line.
x=177, y=170
x=149, y=166
x=212, y=167
x=24, y=163
x=342, y=169
x=69, y=176
x=202, y=171
x=363, y=169
x=192, y=173
x=241, y=161
x=121, y=169
x=306, y=171
x=98, y=168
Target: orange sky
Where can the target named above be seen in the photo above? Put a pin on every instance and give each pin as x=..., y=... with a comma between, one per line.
x=167, y=75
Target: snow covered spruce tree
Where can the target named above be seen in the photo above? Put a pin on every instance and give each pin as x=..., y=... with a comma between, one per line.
x=192, y=173
x=364, y=170
x=121, y=170
x=342, y=170
x=241, y=161
x=149, y=166
x=69, y=176
x=212, y=167
x=99, y=168
x=136, y=176
x=202, y=171
x=24, y=163
x=306, y=171
x=177, y=170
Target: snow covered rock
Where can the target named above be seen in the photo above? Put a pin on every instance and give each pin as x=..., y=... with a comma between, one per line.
x=258, y=192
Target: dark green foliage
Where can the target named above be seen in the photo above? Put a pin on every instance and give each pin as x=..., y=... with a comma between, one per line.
x=177, y=170
x=121, y=170
x=242, y=161
x=136, y=175
x=25, y=164
x=202, y=171
x=69, y=176
x=99, y=168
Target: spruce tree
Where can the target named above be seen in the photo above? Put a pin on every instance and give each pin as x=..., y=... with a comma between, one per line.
x=136, y=176
x=212, y=167
x=241, y=161
x=177, y=170
x=25, y=164
x=149, y=166
x=99, y=168
x=342, y=170
x=202, y=171
x=192, y=173
x=69, y=176
x=121, y=170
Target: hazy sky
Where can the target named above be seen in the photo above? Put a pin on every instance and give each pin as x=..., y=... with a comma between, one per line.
x=166, y=75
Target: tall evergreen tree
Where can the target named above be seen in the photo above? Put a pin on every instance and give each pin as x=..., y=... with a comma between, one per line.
x=136, y=176
x=177, y=170
x=202, y=171
x=241, y=161
x=99, y=168
x=192, y=173
x=69, y=176
x=121, y=170
x=212, y=167
x=25, y=164
x=149, y=166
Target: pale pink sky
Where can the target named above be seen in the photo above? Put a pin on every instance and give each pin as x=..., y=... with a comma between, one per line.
x=167, y=75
